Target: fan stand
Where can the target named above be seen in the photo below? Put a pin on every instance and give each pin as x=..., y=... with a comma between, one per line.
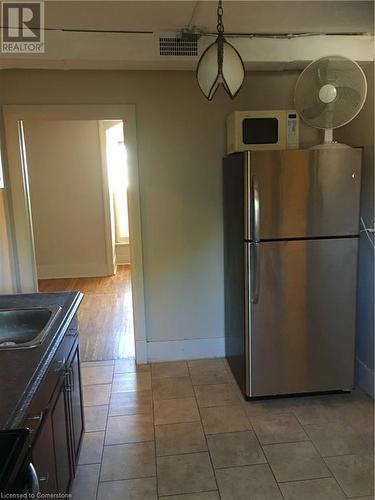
x=329, y=143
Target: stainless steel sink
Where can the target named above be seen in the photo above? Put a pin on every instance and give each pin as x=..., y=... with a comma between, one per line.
x=26, y=328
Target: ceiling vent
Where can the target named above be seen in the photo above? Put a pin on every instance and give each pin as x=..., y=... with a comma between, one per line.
x=178, y=46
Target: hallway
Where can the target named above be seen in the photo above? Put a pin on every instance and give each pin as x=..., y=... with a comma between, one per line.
x=106, y=314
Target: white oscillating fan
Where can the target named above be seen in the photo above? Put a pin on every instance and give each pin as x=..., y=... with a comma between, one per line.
x=329, y=93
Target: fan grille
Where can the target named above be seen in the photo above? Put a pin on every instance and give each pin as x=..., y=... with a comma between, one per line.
x=174, y=46
x=351, y=88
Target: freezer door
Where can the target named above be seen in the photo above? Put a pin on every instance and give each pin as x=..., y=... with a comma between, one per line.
x=304, y=193
x=303, y=316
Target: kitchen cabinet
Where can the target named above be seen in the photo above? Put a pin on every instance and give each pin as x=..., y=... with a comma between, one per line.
x=56, y=419
x=41, y=457
x=76, y=404
x=61, y=438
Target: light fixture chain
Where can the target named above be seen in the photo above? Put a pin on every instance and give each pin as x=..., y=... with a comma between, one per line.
x=220, y=12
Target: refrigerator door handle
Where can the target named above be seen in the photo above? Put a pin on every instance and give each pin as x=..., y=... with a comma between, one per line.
x=256, y=210
x=255, y=267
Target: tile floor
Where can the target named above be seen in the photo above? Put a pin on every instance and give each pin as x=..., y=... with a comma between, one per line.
x=181, y=431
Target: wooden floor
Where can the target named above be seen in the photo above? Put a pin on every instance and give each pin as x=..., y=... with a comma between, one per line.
x=106, y=314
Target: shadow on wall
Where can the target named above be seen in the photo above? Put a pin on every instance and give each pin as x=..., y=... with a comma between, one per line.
x=360, y=132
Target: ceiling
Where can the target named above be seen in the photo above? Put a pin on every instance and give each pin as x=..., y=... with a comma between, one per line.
x=90, y=50
x=245, y=16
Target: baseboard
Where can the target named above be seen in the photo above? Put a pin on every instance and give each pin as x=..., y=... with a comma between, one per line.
x=72, y=271
x=175, y=350
x=122, y=253
x=365, y=377
x=141, y=352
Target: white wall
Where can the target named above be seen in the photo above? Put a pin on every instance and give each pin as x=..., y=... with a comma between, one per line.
x=122, y=253
x=6, y=282
x=65, y=175
x=181, y=141
x=360, y=132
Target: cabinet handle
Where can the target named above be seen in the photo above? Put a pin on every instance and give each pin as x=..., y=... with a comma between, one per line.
x=33, y=480
x=73, y=378
x=58, y=366
x=68, y=385
x=72, y=332
x=36, y=417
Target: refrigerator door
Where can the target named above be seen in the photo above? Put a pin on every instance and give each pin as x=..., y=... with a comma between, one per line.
x=303, y=194
x=302, y=316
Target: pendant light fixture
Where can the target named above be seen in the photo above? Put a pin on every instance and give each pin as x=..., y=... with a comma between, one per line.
x=220, y=64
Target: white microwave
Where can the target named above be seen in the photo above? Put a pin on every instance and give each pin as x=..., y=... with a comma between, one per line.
x=257, y=130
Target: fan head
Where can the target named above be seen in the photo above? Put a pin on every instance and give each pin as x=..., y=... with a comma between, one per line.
x=330, y=92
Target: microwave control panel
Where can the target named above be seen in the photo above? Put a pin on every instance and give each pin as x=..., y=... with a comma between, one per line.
x=292, y=129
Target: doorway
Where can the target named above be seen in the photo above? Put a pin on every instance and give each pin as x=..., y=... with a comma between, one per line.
x=115, y=298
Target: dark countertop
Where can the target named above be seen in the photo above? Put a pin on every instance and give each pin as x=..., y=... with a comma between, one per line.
x=21, y=370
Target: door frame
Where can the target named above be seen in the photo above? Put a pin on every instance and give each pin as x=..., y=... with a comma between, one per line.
x=25, y=276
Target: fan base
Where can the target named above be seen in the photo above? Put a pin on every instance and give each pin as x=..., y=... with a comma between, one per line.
x=331, y=145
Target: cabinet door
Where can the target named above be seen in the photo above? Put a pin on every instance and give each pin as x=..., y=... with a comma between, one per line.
x=43, y=457
x=61, y=437
x=76, y=404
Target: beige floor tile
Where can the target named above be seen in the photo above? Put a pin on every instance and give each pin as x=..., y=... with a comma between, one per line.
x=216, y=395
x=92, y=448
x=129, y=429
x=232, y=380
x=166, y=370
x=313, y=489
x=234, y=449
x=131, y=382
x=295, y=461
x=253, y=482
x=128, y=365
x=316, y=410
x=185, y=474
x=128, y=461
x=338, y=439
x=208, y=372
x=351, y=408
x=97, y=374
x=96, y=395
x=278, y=429
x=206, y=364
x=219, y=419
x=95, y=418
x=85, y=364
x=360, y=415
x=354, y=473
x=172, y=388
x=269, y=407
x=371, y=497
x=131, y=489
x=130, y=403
x=174, y=439
x=172, y=411
x=207, y=495
x=86, y=482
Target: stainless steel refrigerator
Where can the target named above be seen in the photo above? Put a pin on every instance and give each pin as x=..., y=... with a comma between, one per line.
x=291, y=224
